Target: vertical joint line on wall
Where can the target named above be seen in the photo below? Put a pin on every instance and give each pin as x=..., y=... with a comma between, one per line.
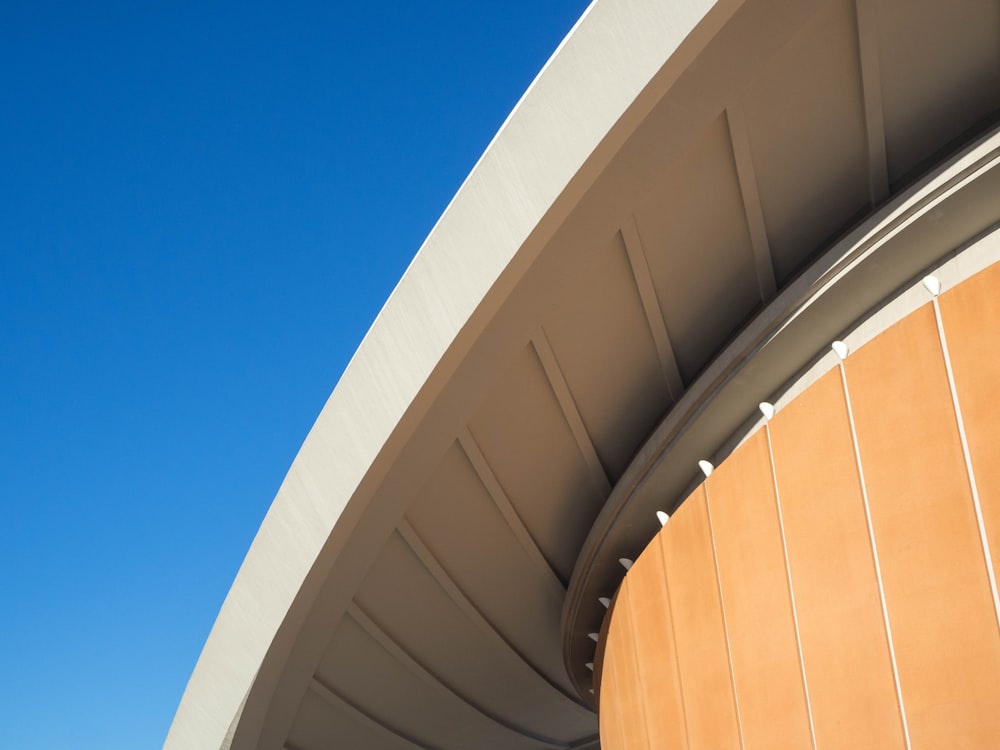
x=673, y=640
x=988, y=557
x=636, y=661
x=875, y=559
x=617, y=704
x=791, y=588
x=725, y=623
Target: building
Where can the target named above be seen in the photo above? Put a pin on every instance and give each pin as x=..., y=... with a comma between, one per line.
x=642, y=279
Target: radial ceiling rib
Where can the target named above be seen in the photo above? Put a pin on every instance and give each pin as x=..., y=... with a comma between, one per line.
x=560, y=387
x=338, y=701
x=446, y=582
x=496, y=492
x=740, y=140
x=435, y=682
x=651, y=305
x=871, y=85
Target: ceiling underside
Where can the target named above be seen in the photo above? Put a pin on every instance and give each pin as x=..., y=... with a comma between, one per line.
x=794, y=122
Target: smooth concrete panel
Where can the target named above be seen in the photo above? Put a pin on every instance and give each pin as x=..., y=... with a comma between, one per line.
x=970, y=314
x=941, y=52
x=845, y=649
x=321, y=722
x=422, y=614
x=806, y=192
x=653, y=636
x=709, y=704
x=758, y=607
x=936, y=588
x=527, y=442
x=707, y=218
x=466, y=532
x=605, y=350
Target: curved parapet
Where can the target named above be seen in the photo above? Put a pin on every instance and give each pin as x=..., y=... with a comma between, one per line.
x=833, y=581
x=929, y=221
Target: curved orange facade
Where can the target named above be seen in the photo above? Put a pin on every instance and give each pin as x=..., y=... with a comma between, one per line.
x=832, y=584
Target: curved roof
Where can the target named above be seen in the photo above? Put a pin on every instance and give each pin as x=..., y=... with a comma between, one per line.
x=674, y=167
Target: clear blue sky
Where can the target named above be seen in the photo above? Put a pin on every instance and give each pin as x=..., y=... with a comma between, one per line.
x=202, y=208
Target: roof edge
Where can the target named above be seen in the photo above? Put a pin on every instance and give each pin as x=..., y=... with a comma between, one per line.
x=595, y=89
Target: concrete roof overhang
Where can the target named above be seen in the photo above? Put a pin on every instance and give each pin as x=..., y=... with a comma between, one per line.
x=682, y=181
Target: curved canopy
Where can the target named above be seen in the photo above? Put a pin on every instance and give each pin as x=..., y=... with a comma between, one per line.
x=673, y=169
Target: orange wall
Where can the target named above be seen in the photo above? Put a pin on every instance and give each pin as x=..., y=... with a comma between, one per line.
x=828, y=584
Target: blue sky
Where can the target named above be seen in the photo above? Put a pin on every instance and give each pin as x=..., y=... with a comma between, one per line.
x=202, y=208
